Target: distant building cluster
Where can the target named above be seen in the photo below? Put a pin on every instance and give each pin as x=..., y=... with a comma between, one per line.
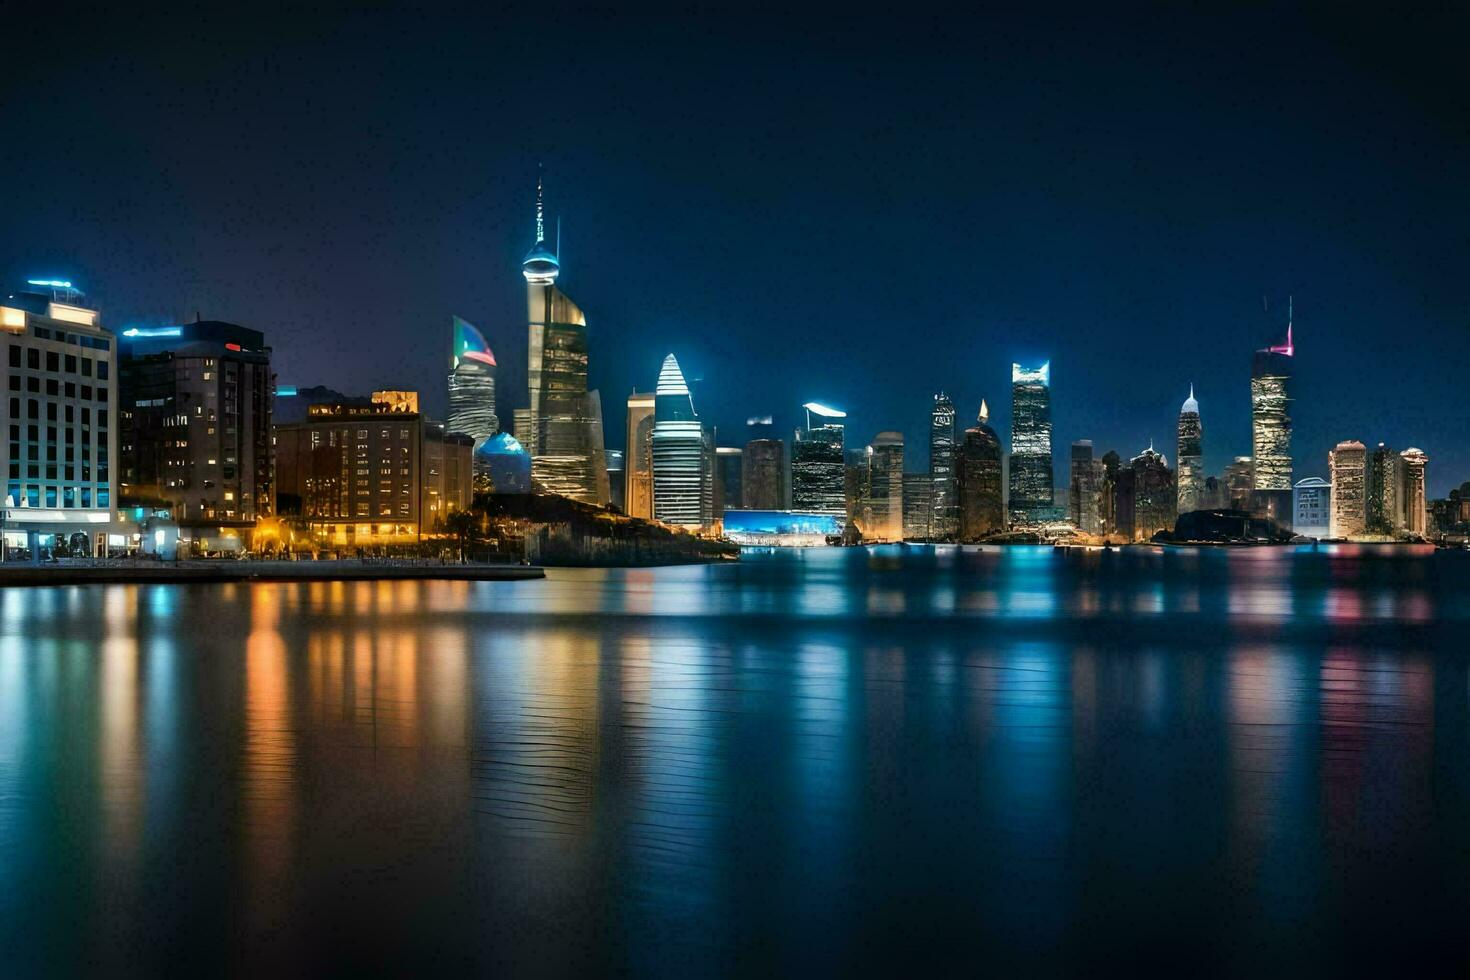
x=177, y=438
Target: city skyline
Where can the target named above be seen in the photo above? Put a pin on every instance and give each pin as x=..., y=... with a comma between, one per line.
x=1136, y=265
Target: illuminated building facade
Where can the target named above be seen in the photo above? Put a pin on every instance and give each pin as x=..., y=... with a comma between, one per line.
x=1271, y=429
x=1155, y=496
x=371, y=474
x=1032, y=493
x=764, y=478
x=918, y=507
x=884, y=514
x=978, y=480
x=817, y=472
x=471, y=383
x=681, y=484
x=562, y=428
x=1312, y=507
x=1191, y=456
x=61, y=405
x=945, y=513
x=1348, y=468
x=1085, y=487
x=1412, y=493
x=781, y=528
x=638, y=461
x=195, y=405
x=1382, y=489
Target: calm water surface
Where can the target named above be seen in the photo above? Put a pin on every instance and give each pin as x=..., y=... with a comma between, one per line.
x=1013, y=762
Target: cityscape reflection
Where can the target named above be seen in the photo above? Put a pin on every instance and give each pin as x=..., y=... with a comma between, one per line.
x=655, y=770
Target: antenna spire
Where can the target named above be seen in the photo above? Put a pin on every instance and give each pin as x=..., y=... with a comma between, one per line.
x=540, y=204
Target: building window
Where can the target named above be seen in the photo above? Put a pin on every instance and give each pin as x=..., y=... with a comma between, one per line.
x=71, y=364
x=15, y=355
x=101, y=370
x=33, y=358
x=86, y=367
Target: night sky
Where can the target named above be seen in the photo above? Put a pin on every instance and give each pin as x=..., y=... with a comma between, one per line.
x=857, y=212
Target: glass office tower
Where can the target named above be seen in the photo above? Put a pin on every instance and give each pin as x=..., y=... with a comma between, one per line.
x=562, y=429
x=1271, y=429
x=679, y=468
x=471, y=383
x=944, y=501
x=817, y=465
x=1191, y=456
x=1032, y=496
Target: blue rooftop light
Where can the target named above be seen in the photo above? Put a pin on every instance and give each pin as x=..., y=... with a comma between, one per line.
x=153, y=332
x=52, y=283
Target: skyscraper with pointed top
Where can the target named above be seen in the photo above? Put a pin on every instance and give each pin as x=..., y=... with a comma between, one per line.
x=682, y=485
x=1271, y=427
x=978, y=481
x=1191, y=481
x=562, y=428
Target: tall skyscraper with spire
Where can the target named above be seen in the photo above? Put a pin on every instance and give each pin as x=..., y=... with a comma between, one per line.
x=1271, y=428
x=471, y=384
x=944, y=500
x=1191, y=456
x=562, y=428
x=682, y=484
x=978, y=481
x=1032, y=491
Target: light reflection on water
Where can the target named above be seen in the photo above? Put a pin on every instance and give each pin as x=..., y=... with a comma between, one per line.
x=803, y=763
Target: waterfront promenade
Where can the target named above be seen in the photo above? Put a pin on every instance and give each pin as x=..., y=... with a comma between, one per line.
x=99, y=571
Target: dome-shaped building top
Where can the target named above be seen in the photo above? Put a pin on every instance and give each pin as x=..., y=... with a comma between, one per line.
x=506, y=462
x=1190, y=407
x=540, y=264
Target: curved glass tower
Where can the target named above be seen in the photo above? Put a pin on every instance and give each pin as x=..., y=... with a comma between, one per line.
x=471, y=384
x=562, y=429
x=1191, y=456
x=678, y=451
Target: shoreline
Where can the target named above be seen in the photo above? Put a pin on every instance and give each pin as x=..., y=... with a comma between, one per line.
x=204, y=570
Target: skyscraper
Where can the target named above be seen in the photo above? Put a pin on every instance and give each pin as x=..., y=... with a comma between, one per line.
x=1240, y=481
x=471, y=383
x=763, y=477
x=1191, y=456
x=1348, y=464
x=638, y=463
x=944, y=500
x=1032, y=494
x=817, y=470
x=1411, y=471
x=1382, y=491
x=679, y=466
x=729, y=479
x=1084, y=482
x=978, y=481
x=562, y=428
x=885, y=488
x=918, y=506
x=1271, y=428
x=1155, y=497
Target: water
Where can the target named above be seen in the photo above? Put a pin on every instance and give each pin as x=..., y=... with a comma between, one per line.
x=1016, y=762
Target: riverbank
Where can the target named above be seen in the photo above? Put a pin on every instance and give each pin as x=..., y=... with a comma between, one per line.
x=97, y=573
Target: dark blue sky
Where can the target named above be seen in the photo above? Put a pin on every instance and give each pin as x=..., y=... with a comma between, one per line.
x=855, y=211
